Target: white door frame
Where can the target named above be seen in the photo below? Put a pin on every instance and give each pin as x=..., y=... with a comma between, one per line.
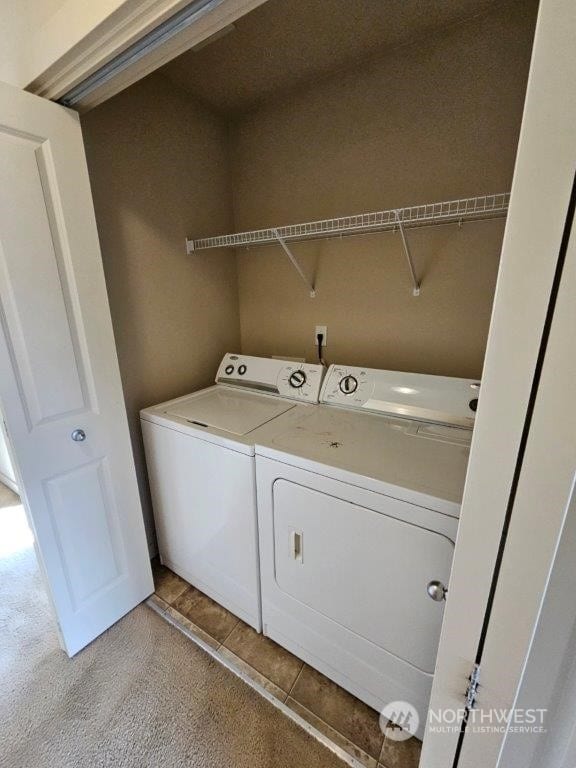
x=544, y=497
x=532, y=241
x=115, y=33
x=542, y=493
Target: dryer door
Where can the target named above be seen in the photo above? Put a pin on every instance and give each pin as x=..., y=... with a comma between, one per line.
x=363, y=569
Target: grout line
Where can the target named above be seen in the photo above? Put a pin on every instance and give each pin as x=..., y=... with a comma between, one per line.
x=220, y=644
x=223, y=643
x=296, y=680
x=341, y=753
x=179, y=596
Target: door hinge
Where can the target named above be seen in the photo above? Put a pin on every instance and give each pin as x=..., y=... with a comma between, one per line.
x=472, y=689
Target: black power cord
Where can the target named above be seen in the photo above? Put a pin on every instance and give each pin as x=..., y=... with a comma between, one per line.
x=320, y=342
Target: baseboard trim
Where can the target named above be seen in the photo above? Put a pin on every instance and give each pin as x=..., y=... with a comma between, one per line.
x=5, y=480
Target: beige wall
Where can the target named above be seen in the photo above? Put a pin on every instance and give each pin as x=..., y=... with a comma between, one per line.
x=430, y=121
x=435, y=120
x=159, y=171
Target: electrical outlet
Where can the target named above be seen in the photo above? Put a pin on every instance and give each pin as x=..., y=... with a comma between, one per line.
x=323, y=329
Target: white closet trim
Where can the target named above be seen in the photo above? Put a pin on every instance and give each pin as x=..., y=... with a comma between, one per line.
x=123, y=28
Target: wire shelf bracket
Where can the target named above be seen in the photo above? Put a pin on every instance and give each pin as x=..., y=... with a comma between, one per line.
x=415, y=281
x=295, y=264
x=430, y=214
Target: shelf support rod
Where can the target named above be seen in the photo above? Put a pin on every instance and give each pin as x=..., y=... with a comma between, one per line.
x=415, y=281
x=295, y=263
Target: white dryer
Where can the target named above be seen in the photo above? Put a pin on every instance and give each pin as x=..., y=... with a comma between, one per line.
x=358, y=506
x=200, y=458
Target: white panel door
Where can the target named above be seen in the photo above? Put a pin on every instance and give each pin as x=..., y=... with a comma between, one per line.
x=59, y=380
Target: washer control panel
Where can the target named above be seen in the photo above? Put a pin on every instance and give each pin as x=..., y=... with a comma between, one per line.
x=297, y=381
x=437, y=399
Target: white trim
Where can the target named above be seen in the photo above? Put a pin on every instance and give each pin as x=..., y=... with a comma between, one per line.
x=544, y=496
x=7, y=481
x=120, y=30
x=114, y=35
x=542, y=183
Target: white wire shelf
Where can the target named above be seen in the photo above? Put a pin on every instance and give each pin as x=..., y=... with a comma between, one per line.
x=431, y=214
x=467, y=209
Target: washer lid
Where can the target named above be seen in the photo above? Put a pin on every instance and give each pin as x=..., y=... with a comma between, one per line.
x=228, y=410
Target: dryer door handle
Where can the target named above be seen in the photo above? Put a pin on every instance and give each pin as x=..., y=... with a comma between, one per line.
x=296, y=542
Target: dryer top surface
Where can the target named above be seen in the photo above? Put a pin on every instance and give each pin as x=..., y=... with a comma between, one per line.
x=415, y=457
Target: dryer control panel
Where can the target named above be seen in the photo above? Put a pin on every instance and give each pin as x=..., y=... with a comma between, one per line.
x=297, y=381
x=437, y=399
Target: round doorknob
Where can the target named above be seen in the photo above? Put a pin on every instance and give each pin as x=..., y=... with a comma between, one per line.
x=437, y=591
x=78, y=435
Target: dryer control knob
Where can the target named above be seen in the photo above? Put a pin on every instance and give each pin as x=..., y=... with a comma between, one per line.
x=436, y=591
x=297, y=379
x=348, y=385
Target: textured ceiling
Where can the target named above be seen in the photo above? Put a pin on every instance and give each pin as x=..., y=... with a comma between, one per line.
x=285, y=44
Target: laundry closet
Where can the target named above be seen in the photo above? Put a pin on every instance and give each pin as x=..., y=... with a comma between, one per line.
x=300, y=112
x=304, y=111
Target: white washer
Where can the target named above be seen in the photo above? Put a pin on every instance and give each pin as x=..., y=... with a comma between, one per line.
x=358, y=506
x=200, y=457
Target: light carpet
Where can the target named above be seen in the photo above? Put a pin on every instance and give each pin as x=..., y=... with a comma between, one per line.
x=140, y=695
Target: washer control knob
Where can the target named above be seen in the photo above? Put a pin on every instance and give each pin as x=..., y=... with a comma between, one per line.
x=229, y=370
x=241, y=370
x=348, y=385
x=297, y=379
x=436, y=591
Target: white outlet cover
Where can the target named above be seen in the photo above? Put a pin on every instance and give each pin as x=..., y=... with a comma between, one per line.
x=321, y=329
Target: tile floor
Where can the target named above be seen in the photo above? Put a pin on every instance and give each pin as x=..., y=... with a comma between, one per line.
x=344, y=719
